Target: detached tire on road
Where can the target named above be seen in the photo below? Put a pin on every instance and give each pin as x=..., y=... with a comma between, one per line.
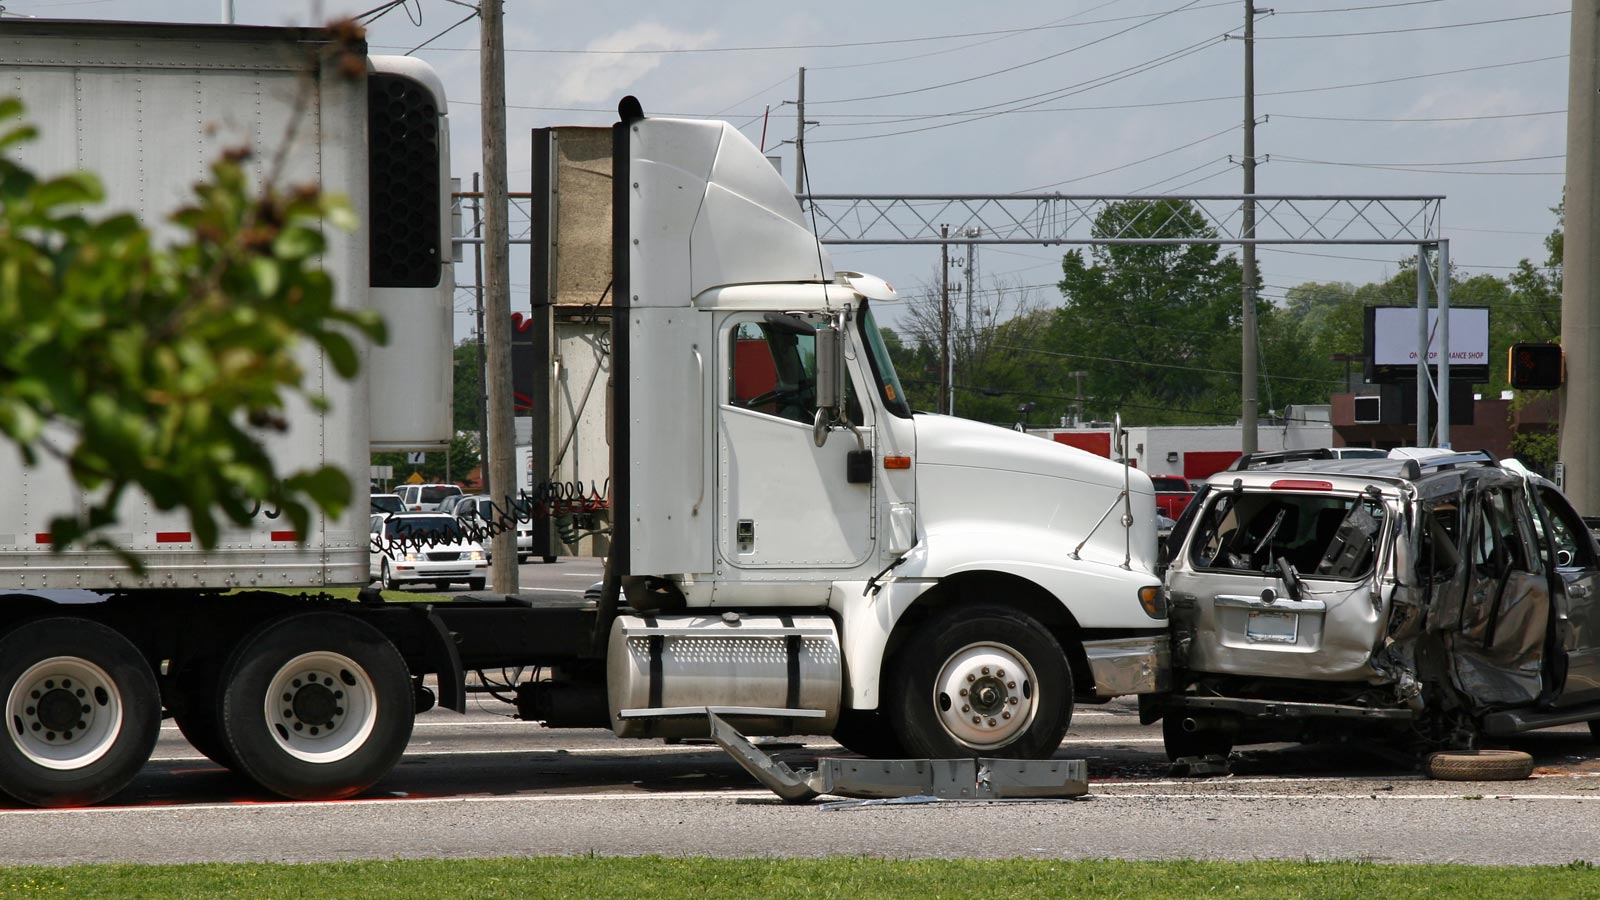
x=82, y=712
x=1479, y=765
x=981, y=681
x=316, y=706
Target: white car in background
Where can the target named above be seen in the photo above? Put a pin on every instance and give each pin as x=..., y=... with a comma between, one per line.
x=426, y=497
x=474, y=509
x=425, y=548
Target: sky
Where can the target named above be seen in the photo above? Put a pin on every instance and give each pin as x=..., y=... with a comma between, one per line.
x=1463, y=98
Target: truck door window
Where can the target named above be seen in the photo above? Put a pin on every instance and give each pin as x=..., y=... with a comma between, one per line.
x=772, y=369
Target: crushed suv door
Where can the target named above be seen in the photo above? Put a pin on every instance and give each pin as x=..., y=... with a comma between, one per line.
x=1498, y=648
x=1577, y=561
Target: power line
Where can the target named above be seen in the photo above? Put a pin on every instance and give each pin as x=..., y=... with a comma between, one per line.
x=1212, y=136
x=1099, y=40
x=1418, y=169
x=1385, y=6
x=1389, y=31
x=1081, y=87
x=1423, y=119
x=839, y=45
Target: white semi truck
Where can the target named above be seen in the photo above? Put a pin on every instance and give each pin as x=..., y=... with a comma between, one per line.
x=793, y=548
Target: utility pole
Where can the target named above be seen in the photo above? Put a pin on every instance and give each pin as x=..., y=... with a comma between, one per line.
x=972, y=263
x=483, y=362
x=947, y=388
x=1247, y=367
x=1580, y=327
x=497, y=239
x=800, y=136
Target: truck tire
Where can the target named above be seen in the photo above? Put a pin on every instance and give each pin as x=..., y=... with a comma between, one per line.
x=1594, y=730
x=867, y=732
x=969, y=667
x=1479, y=765
x=82, y=712
x=316, y=706
x=196, y=709
x=476, y=584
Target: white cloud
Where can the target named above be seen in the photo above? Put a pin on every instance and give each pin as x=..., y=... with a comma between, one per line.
x=604, y=77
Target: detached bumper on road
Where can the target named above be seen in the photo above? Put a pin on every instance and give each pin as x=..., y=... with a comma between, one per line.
x=1132, y=665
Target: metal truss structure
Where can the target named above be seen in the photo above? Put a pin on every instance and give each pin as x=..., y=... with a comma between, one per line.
x=1072, y=219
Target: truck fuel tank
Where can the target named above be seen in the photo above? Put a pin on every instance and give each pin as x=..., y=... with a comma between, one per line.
x=767, y=674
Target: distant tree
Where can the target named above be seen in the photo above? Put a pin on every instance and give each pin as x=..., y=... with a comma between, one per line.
x=467, y=387
x=1152, y=324
x=446, y=468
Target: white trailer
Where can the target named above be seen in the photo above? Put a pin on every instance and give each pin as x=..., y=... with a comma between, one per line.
x=148, y=107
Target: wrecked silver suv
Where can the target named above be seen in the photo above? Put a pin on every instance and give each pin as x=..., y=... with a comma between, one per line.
x=1431, y=600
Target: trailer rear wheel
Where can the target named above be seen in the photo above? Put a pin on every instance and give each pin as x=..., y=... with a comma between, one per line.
x=981, y=681
x=196, y=711
x=317, y=706
x=82, y=712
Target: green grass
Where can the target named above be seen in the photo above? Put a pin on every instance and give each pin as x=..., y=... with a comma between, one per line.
x=846, y=878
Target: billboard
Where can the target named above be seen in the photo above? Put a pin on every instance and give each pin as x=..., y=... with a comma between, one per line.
x=1391, y=333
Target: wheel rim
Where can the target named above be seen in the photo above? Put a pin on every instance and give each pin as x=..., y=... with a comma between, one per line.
x=321, y=707
x=65, y=713
x=985, y=695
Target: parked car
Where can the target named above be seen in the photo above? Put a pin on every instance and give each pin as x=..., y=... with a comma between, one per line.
x=413, y=548
x=476, y=508
x=426, y=497
x=448, y=504
x=1428, y=598
x=387, y=503
x=1172, y=494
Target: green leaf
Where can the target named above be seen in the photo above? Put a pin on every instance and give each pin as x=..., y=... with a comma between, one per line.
x=295, y=243
x=268, y=276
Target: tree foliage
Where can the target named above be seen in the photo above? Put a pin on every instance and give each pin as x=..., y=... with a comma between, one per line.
x=161, y=368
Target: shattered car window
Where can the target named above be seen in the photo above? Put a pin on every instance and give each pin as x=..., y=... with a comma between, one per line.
x=1318, y=534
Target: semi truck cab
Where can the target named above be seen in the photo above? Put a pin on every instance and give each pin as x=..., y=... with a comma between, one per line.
x=959, y=586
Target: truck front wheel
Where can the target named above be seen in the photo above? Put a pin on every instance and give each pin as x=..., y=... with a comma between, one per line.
x=981, y=681
x=316, y=706
x=82, y=712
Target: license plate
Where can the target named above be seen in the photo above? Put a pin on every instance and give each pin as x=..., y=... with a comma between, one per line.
x=1273, y=627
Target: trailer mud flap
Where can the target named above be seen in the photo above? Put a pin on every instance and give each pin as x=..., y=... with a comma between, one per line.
x=944, y=779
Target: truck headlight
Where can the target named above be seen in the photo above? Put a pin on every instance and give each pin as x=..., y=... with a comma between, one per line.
x=475, y=555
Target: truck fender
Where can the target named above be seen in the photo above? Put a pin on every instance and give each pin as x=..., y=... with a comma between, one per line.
x=442, y=656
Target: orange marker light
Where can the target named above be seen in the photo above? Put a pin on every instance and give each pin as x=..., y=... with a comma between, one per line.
x=897, y=462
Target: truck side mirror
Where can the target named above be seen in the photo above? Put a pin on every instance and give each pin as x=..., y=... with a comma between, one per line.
x=830, y=379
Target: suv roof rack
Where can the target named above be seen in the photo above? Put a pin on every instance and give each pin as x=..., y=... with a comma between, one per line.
x=1410, y=467
x=1272, y=457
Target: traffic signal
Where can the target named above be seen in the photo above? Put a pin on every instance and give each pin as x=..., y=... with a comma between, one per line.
x=1536, y=367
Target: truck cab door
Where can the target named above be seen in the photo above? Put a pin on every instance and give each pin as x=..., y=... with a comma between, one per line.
x=783, y=502
x=1578, y=619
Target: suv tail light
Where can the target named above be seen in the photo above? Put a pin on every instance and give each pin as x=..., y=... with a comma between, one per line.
x=1299, y=484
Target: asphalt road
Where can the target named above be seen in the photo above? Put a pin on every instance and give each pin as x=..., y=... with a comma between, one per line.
x=484, y=784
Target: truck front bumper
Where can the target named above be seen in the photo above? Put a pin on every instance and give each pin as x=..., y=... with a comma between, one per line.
x=1130, y=665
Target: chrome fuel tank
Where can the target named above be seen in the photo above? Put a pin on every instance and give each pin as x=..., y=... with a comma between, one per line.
x=765, y=674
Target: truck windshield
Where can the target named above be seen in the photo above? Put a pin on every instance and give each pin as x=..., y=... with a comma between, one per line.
x=888, y=383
